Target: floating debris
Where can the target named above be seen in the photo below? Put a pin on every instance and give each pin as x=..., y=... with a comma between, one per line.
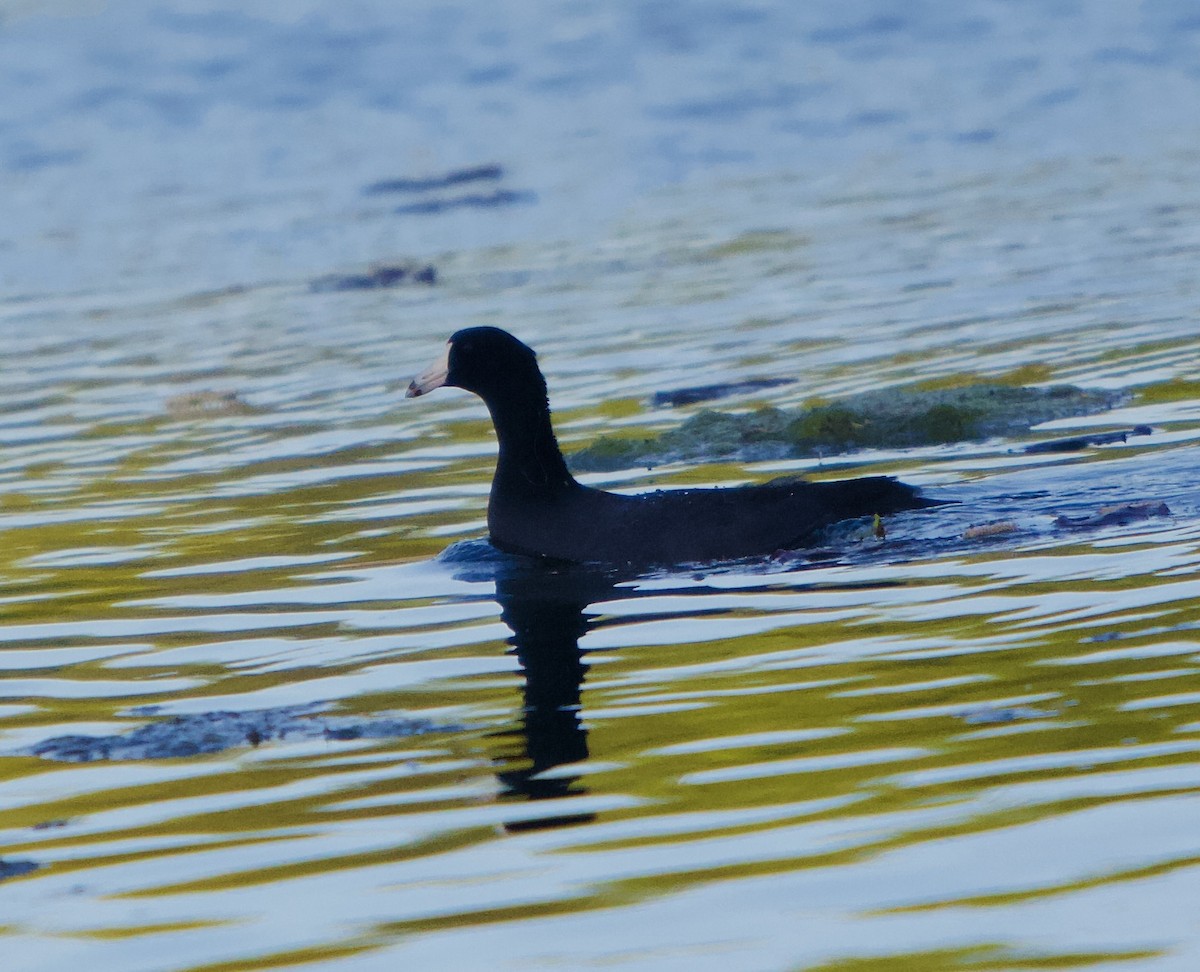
x=477, y=200
x=434, y=198
x=889, y=418
x=1076, y=443
x=706, y=393
x=379, y=275
x=455, y=177
x=985, y=530
x=207, y=404
x=214, y=732
x=1117, y=515
x=11, y=869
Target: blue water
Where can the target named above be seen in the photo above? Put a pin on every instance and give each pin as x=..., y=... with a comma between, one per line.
x=157, y=145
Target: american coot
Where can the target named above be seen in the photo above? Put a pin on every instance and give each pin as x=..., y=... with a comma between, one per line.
x=536, y=506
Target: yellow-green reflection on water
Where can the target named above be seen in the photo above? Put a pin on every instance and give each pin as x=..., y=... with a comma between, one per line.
x=925, y=752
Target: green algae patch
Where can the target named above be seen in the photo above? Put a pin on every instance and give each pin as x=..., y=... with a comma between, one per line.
x=1176, y=390
x=1027, y=374
x=888, y=418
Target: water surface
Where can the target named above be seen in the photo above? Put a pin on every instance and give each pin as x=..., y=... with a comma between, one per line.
x=921, y=752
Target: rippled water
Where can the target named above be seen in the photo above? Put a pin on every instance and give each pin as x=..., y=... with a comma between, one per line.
x=934, y=751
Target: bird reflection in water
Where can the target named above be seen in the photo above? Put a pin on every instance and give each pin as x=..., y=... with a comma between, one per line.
x=547, y=611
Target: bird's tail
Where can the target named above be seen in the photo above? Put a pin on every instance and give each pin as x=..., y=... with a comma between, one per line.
x=849, y=498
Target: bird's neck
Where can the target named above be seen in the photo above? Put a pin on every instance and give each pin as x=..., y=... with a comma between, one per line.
x=530, y=460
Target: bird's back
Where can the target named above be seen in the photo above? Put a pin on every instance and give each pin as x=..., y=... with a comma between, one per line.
x=691, y=525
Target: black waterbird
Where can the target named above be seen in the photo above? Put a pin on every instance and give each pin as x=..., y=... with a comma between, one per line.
x=538, y=508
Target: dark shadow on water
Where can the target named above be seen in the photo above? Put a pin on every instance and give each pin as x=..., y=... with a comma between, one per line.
x=549, y=608
x=547, y=611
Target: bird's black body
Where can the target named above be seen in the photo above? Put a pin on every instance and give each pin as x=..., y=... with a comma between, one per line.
x=536, y=506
